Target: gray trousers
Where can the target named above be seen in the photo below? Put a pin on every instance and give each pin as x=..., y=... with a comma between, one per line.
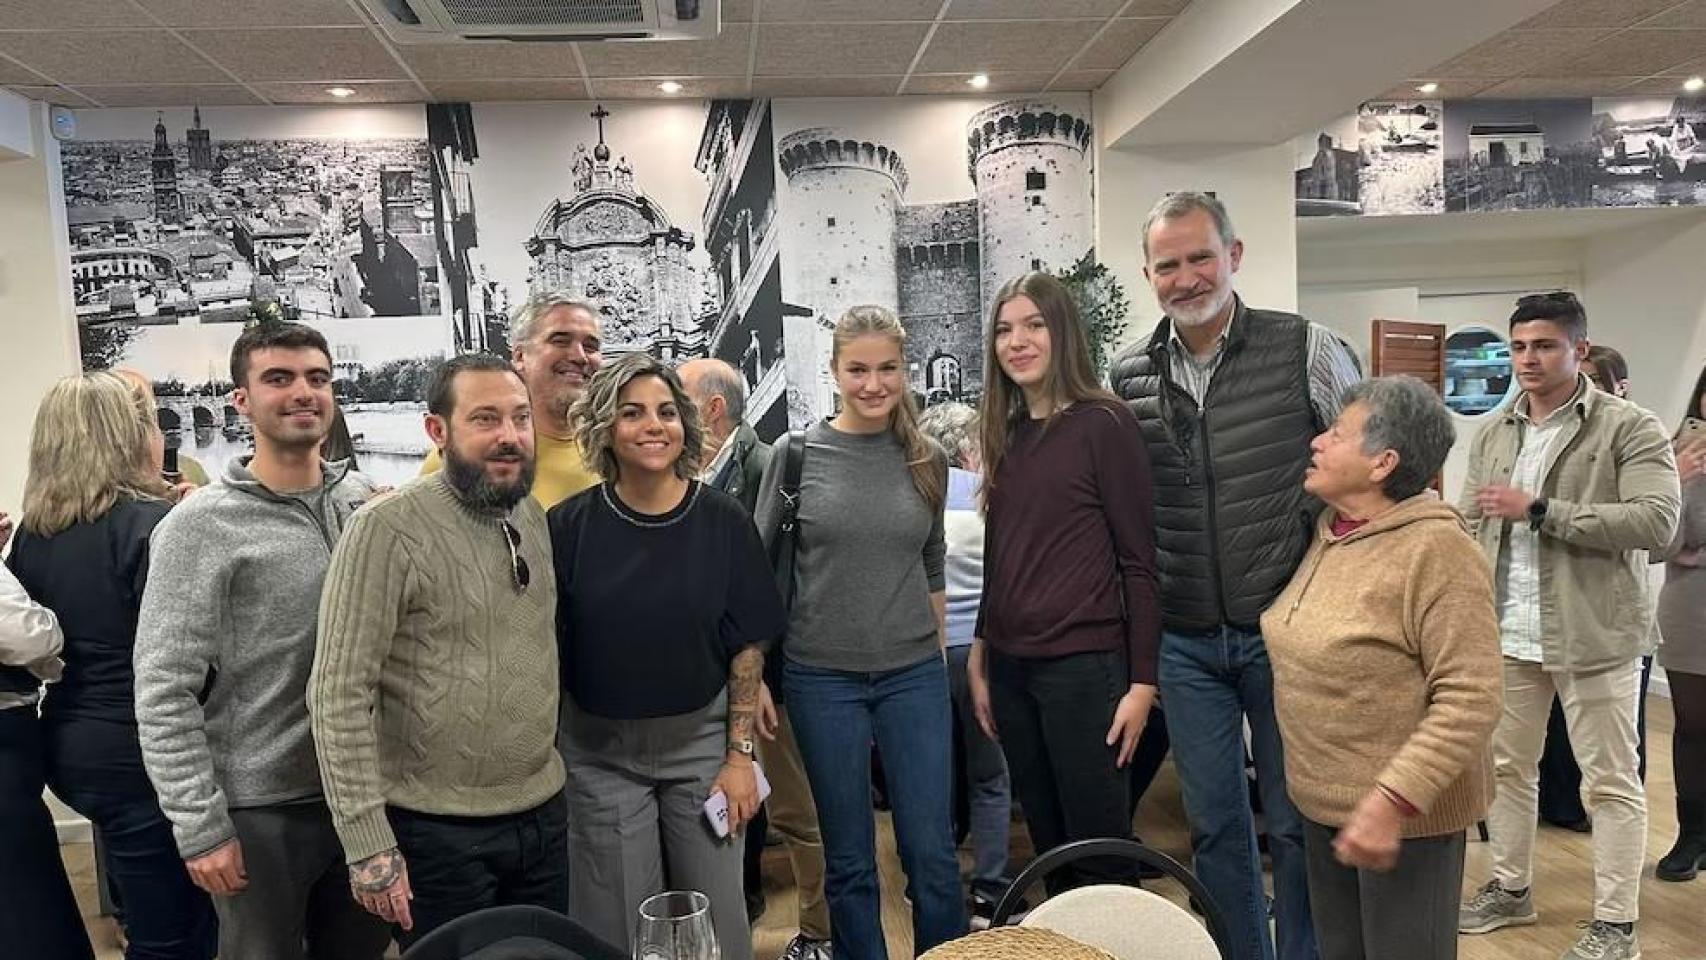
x=1408, y=913
x=636, y=793
x=298, y=902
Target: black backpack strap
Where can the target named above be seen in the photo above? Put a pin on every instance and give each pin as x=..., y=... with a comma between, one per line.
x=782, y=545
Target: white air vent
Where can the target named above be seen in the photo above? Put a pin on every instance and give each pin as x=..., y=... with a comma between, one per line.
x=443, y=21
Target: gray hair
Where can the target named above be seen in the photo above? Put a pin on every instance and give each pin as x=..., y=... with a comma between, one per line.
x=524, y=322
x=594, y=415
x=721, y=379
x=1183, y=203
x=1407, y=417
x=954, y=426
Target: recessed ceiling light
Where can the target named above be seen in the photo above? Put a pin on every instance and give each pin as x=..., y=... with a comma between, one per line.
x=670, y=86
x=340, y=92
x=1429, y=87
x=1694, y=84
x=979, y=82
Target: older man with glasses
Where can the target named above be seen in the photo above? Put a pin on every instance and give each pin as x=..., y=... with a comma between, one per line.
x=435, y=686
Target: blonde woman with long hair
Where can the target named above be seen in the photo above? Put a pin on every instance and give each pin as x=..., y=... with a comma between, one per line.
x=863, y=653
x=1063, y=668
x=92, y=500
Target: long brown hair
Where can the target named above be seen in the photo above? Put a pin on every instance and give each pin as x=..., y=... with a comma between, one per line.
x=88, y=450
x=1070, y=378
x=928, y=477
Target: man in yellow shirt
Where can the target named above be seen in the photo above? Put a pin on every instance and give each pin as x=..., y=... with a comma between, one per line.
x=556, y=348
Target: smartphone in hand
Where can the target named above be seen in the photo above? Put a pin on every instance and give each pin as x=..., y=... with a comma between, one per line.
x=717, y=805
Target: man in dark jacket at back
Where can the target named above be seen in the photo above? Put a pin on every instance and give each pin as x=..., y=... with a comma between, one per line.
x=734, y=463
x=1229, y=398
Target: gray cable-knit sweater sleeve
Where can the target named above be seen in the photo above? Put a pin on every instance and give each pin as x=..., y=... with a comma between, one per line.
x=178, y=638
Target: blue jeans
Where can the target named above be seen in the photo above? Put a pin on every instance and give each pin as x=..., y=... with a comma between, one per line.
x=1210, y=685
x=836, y=714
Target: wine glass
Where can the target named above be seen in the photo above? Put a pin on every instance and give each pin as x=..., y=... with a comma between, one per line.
x=676, y=925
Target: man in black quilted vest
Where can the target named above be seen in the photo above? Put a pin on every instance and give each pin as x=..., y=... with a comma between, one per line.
x=1229, y=398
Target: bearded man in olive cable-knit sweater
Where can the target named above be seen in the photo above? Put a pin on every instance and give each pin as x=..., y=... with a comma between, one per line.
x=435, y=683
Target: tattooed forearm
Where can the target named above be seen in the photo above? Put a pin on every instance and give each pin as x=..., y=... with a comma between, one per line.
x=377, y=872
x=745, y=673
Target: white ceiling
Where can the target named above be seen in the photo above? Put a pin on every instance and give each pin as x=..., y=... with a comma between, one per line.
x=176, y=52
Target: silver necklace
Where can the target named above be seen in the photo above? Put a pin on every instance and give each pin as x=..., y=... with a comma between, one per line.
x=621, y=511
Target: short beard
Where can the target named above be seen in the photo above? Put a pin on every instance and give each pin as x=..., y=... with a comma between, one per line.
x=1194, y=319
x=468, y=479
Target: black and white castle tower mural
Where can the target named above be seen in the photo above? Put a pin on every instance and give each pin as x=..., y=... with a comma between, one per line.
x=611, y=244
x=853, y=232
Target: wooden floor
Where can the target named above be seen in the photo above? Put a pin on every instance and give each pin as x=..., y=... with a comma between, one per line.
x=1672, y=925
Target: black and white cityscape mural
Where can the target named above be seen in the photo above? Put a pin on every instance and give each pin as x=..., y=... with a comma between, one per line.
x=1483, y=155
x=743, y=229
x=186, y=225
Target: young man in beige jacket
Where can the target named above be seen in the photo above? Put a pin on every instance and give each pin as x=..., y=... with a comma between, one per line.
x=1567, y=489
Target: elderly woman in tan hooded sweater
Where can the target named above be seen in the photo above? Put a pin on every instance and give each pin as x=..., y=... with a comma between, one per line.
x=1385, y=650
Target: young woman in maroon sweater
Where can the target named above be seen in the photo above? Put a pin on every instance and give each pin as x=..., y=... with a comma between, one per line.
x=1063, y=667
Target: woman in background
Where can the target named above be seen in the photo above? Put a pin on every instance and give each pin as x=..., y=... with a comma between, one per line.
x=91, y=502
x=1682, y=621
x=981, y=768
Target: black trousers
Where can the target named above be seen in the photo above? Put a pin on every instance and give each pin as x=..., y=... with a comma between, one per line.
x=38, y=911
x=458, y=865
x=1053, y=717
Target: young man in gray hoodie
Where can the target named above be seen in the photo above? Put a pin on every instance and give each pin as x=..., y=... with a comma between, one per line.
x=223, y=651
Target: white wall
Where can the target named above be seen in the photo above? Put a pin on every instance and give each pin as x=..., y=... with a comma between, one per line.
x=1256, y=184
x=36, y=315
x=1645, y=290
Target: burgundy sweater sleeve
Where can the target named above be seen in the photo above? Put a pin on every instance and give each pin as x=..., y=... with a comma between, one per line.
x=1121, y=462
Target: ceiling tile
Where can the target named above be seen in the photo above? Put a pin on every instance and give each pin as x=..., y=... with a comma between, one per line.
x=491, y=61
x=1655, y=87
x=737, y=11
x=486, y=91
x=1118, y=43
x=1081, y=79
x=724, y=56
x=692, y=88
x=1689, y=16
x=806, y=50
x=331, y=54
x=69, y=15
x=1595, y=13
x=825, y=86
x=1516, y=52
x=111, y=56
x=955, y=83
x=1448, y=90
x=1154, y=8
x=1638, y=53
x=18, y=73
x=58, y=95
x=972, y=46
x=172, y=95
x=382, y=91
x=846, y=11
x=1031, y=10
x=251, y=13
x=1541, y=88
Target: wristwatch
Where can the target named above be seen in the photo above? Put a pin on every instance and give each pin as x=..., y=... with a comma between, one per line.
x=742, y=746
x=1536, y=512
